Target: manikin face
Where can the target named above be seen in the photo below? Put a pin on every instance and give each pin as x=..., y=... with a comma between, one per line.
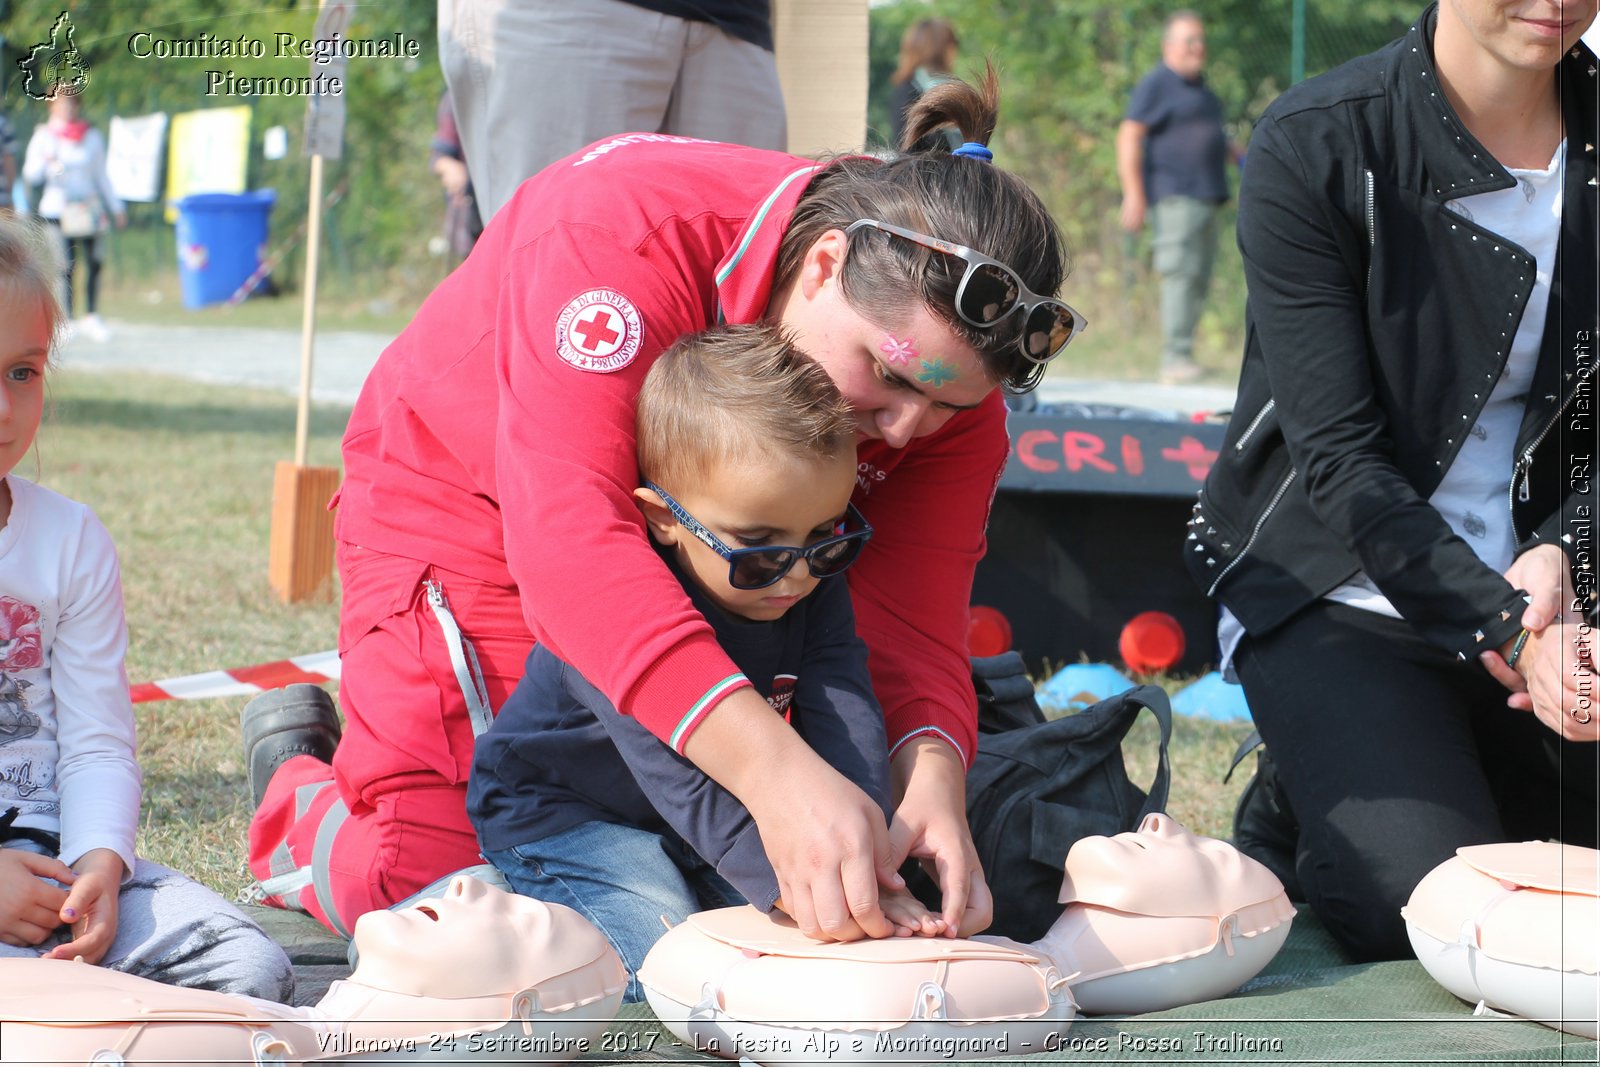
x=1519, y=34
x=1183, y=48
x=903, y=382
x=764, y=501
x=1163, y=869
x=482, y=941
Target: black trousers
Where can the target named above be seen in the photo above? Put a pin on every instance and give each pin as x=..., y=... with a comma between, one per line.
x=88, y=250
x=1394, y=754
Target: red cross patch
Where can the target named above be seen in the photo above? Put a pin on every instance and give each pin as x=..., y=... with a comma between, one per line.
x=599, y=331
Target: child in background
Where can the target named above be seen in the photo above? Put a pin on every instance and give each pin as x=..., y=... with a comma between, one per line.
x=745, y=448
x=70, y=882
x=928, y=51
x=68, y=157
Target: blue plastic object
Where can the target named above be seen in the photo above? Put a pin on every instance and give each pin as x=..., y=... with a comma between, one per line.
x=221, y=237
x=1209, y=697
x=1080, y=684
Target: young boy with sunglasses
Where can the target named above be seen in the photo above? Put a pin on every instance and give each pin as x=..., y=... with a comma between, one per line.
x=747, y=461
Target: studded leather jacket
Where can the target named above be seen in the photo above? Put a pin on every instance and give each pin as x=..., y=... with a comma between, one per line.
x=1378, y=321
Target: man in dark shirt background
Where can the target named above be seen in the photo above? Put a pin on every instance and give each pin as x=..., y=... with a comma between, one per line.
x=1172, y=155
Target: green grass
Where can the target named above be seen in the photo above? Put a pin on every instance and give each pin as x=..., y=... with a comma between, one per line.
x=181, y=474
x=156, y=299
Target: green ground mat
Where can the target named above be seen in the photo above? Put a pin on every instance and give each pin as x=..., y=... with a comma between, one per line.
x=1309, y=1006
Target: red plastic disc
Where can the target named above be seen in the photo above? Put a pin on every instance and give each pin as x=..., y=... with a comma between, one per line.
x=1151, y=641
x=988, y=631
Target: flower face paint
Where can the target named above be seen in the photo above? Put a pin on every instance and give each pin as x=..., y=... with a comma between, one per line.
x=936, y=373
x=896, y=351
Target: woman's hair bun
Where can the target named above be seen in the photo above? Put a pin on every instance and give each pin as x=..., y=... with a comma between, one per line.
x=972, y=109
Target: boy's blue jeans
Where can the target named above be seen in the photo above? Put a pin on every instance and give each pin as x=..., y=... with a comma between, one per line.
x=622, y=879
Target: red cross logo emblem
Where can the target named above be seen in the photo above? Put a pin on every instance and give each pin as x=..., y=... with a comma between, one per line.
x=599, y=330
x=596, y=331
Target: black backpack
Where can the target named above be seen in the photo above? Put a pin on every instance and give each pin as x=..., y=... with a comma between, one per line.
x=1006, y=697
x=1036, y=788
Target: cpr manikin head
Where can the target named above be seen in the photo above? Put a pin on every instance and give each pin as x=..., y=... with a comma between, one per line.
x=472, y=940
x=1161, y=917
x=1163, y=869
x=476, y=952
x=445, y=967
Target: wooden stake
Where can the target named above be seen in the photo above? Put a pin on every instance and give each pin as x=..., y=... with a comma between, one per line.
x=300, y=550
x=308, y=315
x=300, y=554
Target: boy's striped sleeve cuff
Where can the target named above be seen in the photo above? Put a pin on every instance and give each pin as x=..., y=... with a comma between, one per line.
x=697, y=713
x=695, y=675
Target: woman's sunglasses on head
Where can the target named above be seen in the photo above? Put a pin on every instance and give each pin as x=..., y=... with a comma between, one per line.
x=757, y=568
x=990, y=292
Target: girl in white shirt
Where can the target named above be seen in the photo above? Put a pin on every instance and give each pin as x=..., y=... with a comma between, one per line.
x=68, y=156
x=70, y=882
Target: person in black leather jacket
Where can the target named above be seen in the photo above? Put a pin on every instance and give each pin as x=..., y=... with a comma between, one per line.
x=1399, y=528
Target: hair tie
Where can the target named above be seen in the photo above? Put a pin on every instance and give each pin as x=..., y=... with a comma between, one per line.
x=974, y=150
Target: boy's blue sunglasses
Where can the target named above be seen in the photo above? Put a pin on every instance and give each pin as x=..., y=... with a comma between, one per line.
x=757, y=568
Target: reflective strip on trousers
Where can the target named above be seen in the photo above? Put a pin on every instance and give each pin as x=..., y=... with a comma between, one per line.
x=464, y=660
x=287, y=879
x=321, y=854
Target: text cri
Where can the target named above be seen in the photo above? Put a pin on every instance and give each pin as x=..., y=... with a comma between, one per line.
x=1047, y=451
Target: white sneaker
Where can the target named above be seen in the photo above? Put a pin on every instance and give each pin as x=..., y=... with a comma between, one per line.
x=94, y=328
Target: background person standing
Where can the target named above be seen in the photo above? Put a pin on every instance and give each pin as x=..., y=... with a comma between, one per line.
x=68, y=157
x=927, y=57
x=535, y=80
x=1172, y=155
x=462, y=223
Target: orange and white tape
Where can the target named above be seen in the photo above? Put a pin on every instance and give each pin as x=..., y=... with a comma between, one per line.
x=316, y=668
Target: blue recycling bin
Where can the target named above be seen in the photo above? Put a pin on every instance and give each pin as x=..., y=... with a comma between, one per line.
x=221, y=239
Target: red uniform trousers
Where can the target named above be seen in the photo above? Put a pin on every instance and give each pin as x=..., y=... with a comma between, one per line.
x=401, y=767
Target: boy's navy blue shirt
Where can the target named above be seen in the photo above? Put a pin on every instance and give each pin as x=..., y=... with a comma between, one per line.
x=559, y=754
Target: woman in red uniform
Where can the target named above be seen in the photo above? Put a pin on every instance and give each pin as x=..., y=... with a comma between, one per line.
x=490, y=460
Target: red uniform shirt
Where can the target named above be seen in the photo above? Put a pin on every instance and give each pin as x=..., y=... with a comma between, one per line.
x=495, y=436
